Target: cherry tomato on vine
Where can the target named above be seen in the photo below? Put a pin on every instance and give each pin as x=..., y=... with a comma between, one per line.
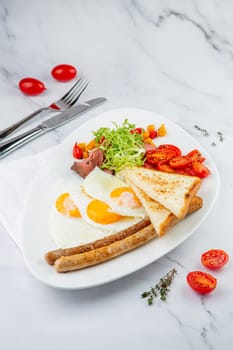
x=201, y=282
x=214, y=258
x=77, y=151
x=31, y=86
x=64, y=72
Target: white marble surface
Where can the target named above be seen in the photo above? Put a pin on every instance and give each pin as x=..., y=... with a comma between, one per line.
x=175, y=58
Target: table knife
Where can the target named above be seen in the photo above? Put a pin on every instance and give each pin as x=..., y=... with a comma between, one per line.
x=47, y=125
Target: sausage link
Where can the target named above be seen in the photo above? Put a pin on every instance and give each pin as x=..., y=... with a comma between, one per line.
x=100, y=255
x=53, y=255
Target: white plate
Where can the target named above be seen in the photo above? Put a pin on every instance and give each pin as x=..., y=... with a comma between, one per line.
x=36, y=239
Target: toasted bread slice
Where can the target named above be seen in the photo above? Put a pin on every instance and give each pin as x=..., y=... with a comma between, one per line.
x=173, y=191
x=162, y=218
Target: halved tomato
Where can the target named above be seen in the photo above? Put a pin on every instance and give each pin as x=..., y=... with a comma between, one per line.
x=180, y=162
x=148, y=166
x=196, y=155
x=201, y=282
x=214, y=258
x=136, y=131
x=168, y=147
x=156, y=156
x=165, y=167
x=200, y=170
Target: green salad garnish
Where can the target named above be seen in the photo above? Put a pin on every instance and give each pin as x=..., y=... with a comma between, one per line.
x=121, y=147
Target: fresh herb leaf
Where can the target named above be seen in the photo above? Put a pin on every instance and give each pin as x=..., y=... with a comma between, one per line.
x=204, y=131
x=161, y=288
x=121, y=147
x=220, y=134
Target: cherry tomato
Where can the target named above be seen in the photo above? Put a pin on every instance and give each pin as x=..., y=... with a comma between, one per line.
x=77, y=151
x=148, y=166
x=174, y=149
x=64, y=72
x=201, y=282
x=153, y=134
x=189, y=171
x=136, y=131
x=156, y=156
x=180, y=162
x=200, y=170
x=31, y=86
x=214, y=258
x=196, y=155
x=165, y=167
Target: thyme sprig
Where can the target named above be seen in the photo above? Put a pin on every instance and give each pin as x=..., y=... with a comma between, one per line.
x=204, y=131
x=160, y=289
x=220, y=134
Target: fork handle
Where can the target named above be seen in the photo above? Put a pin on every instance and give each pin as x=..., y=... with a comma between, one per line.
x=10, y=129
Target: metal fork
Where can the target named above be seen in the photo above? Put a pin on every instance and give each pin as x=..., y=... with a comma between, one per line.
x=62, y=104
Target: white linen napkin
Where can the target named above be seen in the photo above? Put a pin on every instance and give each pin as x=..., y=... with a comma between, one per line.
x=16, y=179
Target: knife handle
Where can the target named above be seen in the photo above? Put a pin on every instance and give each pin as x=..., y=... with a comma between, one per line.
x=18, y=141
x=10, y=129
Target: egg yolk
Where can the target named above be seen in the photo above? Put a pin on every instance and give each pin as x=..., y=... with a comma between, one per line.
x=125, y=197
x=100, y=213
x=66, y=206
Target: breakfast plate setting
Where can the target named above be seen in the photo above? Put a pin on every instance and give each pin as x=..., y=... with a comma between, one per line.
x=48, y=227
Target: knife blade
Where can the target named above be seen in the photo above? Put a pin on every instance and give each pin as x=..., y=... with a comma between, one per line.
x=47, y=125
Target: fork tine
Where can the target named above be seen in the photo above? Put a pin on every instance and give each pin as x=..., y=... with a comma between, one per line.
x=76, y=93
x=72, y=88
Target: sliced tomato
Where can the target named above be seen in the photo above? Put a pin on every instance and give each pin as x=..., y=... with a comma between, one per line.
x=136, y=131
x=201, y=282
x=180, y=162
x=200, y=170
x=214, y=258
x=174, y=149
x=165, y=167
x=77, y=152
x=195, y=155
x=156, y=156
x=186, y=171
x=148, y=166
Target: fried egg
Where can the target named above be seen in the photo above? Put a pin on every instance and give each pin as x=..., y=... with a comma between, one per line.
x=76, y=218
x=114, y=192
x=99, y=214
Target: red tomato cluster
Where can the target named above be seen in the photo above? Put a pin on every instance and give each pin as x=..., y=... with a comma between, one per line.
x=202, y=282
x=169, y=158
x=33, y=86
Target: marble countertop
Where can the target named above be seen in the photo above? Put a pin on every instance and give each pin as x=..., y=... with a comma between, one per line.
x=174, y=58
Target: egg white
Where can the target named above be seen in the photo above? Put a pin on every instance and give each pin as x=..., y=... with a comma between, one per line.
x=71, y=231
x=81, y=200
x=99, y=184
